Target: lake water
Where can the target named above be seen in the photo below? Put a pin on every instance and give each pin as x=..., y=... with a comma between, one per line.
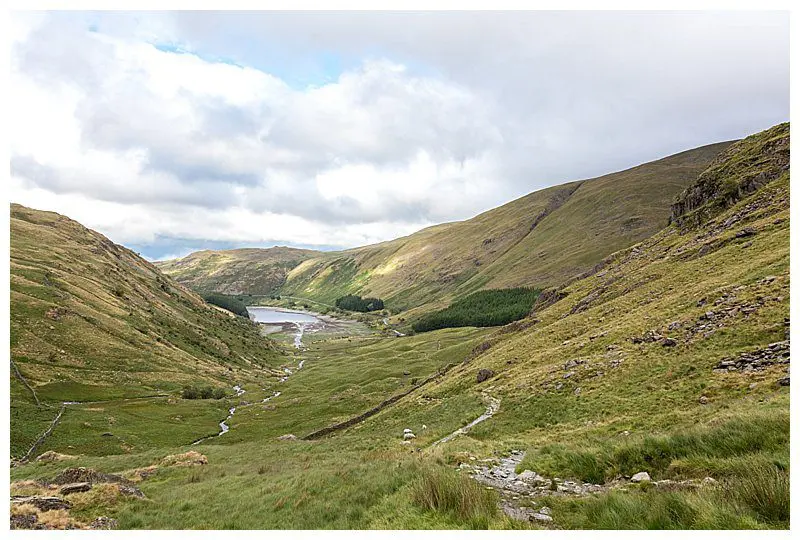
x=271, y=315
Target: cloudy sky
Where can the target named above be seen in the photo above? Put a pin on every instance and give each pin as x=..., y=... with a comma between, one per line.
x=171, y=132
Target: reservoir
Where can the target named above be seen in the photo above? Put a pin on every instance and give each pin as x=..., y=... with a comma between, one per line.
x=266, y=315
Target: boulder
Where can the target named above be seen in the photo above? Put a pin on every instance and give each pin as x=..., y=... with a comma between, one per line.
x=25, y=521
x=407, y=430
x=187, y=458
x=703, y=400
x=43, y=503
x=131, y=491
x=540, y=517
x=76, y=487
x=288, y=437
x=640, y=477
x=104, y=523
x=409, y=436
x=83, y=474
x=51, y=456
x=484, y=374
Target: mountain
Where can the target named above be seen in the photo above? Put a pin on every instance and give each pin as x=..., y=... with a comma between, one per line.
x=668, y=357
x=236, y=271
x=542, y=239
x=90, y=320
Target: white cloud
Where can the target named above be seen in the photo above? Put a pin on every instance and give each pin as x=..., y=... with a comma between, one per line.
x=456, y=114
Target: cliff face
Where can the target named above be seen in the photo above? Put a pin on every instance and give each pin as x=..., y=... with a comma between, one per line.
x=740, y=170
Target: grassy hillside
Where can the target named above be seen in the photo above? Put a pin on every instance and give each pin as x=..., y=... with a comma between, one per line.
x=540, y=240
x=671, y=358
x=92, y=321
x=236, y=271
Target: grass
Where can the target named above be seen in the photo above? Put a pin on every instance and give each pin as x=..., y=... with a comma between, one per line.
x=709, y=450
x=576, y=391
x=445, y=491
x=760, y=499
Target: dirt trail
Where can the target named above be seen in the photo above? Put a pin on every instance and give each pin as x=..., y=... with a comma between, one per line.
x=492, y=407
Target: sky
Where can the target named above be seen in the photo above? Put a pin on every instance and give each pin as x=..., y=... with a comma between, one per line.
x=171, y=132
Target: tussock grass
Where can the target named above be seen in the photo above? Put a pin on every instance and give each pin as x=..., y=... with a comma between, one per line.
x=444, y=491
x=702, y=451
x=760, y=499
x=765, y=491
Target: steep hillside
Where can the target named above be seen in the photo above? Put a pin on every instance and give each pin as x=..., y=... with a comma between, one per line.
x=670, y=357
x=236, y=271
x=90, y=320
x=539, y=240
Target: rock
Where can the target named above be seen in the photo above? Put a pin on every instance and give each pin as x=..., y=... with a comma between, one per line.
x=131, y=491
x=747, y=231
x=83, y=474
x=540, y=517
x=51, y=456
x=709, y=481
x=668, y=342
x=76, y=487
x=409, y=436
x=185, y=459
x=546, y=511
x=577, y=391
x=43, y=503
x=288, y=437
x=25, y=521
x=484, y=374
x=569, y=374
x=107, y=434
x=703, y=400
x=408, y=430
x=104, y=523
x=640, y=477
x=784, y=381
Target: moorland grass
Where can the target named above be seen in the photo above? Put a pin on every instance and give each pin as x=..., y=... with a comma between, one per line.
x=695, y=451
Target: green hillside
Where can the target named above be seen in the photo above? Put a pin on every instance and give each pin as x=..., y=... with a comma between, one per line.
x=236, y=271
x=670, y=357
x=92, y=321
x=540, y=240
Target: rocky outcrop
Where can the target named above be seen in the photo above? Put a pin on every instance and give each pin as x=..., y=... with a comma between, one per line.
x=76, y=487
x=43, y=503
x=83, y=474
x=757, y=360
x=484, y=375
x=740, y=170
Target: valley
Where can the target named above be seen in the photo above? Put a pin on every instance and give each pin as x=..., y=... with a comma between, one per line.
x=646, y=386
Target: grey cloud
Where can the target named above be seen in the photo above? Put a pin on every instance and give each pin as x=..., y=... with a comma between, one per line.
x=64, y=181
